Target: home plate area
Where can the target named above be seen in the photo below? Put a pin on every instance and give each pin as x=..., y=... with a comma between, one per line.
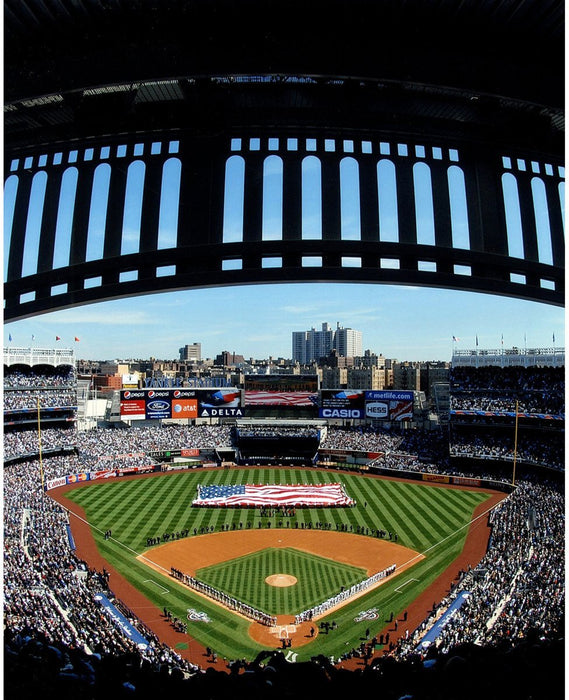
x=284, y=634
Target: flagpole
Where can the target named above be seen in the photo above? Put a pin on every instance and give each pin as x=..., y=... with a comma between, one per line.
x=39, y=442
x=515, y=445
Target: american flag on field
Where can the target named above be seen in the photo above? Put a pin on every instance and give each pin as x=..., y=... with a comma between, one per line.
x=254, y=495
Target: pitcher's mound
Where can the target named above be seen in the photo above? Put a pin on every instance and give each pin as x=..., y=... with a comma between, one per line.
x=281, y=580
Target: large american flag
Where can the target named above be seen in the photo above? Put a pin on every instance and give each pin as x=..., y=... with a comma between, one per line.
x=316, y=495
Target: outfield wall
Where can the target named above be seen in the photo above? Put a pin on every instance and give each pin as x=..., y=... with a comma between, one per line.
x=450, y=479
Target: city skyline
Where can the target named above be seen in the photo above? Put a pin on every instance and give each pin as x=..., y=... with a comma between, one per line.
x=256, y=321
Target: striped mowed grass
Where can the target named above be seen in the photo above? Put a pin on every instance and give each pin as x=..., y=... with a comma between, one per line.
x=318, y=578
x=428, y=519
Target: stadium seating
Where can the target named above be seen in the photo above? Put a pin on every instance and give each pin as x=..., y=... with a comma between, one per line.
x=58, y=644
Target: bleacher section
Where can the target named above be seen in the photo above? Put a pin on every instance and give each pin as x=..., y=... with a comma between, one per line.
x=40, y=406
x=506, y=413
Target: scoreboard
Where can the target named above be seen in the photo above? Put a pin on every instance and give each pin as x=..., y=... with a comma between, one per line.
x=230, y=402
x=378, y=405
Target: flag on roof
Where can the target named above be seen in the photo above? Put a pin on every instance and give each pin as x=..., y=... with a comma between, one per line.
x=77, y=339
x=57, y=337
x=255, y=495
x=455, y=339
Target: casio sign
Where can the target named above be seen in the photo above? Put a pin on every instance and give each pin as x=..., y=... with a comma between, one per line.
x=341, y=413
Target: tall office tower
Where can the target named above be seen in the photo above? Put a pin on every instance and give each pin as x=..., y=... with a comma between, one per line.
x=310, y=346
x=191, y=352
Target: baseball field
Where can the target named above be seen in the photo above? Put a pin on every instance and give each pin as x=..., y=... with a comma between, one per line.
x=279, y=564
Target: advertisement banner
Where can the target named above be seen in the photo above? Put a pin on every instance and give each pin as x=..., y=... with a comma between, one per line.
x=184, y=408
x=219, y=403
x=377, y=409
x=220, y=398
x=220, y=412
x=121, y=621
x=133, y=410
x=76, y=478
x=143, y=469
x=466, y=481
x=391, y=395
x=389, y=405
x=437, y=478
x=133, y=404
x=55, y=483
x=342, y=404
x=179, y=403
x=158, y=404
x=189, y=452
x=102, y=474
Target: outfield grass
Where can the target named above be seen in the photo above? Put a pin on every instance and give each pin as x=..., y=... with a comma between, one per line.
x=428, y=519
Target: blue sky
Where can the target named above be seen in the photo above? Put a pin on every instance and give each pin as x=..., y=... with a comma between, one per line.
x=406, y=323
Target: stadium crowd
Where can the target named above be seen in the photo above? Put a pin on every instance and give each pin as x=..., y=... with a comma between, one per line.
x=276, y=432
x=48, y=591
x=34, y=378
x=519, y=586
x=366, y=439
x=52, y=387
x=59, y=642
x=535, y=389
x=546, y=450
x=28, y=400
x=27, y=442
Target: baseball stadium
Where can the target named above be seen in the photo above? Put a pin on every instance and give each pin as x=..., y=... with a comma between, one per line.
x=203, y=548
x=287, y=529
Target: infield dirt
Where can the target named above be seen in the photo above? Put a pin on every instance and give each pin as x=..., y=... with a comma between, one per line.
x=474, y=549
x=371, y=554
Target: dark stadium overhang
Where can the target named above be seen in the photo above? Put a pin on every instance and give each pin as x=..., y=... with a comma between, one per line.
x=485, y=77
x=95, y=66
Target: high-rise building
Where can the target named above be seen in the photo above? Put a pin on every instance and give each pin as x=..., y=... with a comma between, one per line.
x=310, y=346
x=191, y=352
x=348, y=342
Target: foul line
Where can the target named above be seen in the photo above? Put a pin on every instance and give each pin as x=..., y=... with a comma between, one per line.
x=409, y=562
x=452, y=534
x=410, y=580
x=149, y=580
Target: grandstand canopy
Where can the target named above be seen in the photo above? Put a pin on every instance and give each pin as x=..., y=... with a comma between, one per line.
x=82, y=67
